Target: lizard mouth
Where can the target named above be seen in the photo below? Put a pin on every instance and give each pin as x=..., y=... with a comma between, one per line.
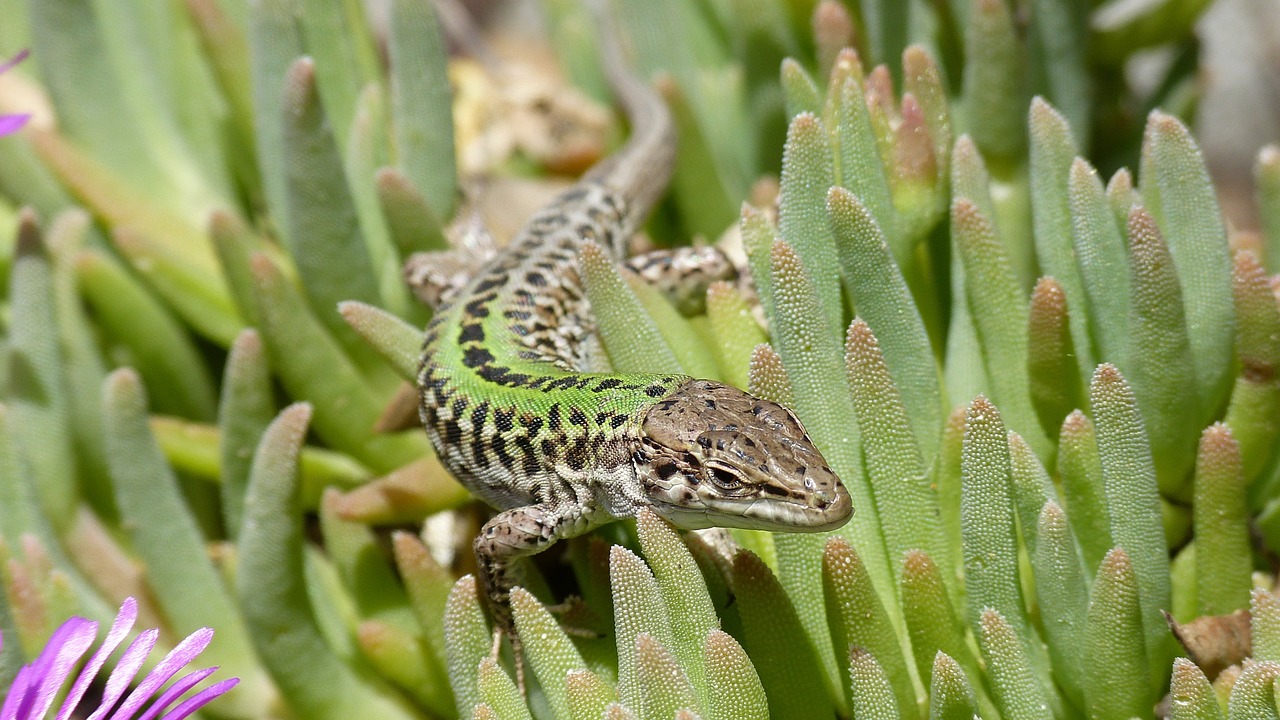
x=819, y=515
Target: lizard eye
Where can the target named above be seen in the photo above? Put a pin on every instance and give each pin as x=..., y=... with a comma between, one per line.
x=724, y=479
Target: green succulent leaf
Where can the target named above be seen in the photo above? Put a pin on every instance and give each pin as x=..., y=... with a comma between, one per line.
x=734, y=330
x=950, y=695
x=1187, y=209
x=993, y=94
x=1063, y=596
x=1266, y=175
x=880, y=294
x=588, y=695
x=791, y=673
x=421, y=104
x=1225, y=558
x=500, y=693
x=1115, y=659
x=860, y=624
x=246, y=408
x=1160, y=365
x=663, y=687
x=1254, y=410
x=1129, y=484
x=1103, y=265
x=734, y=691
x=1191, y=695
x=467, y=640
x=549, y=651
x=807, y=173
x=36, y=391
x=1252, y=695
x=275, y=604
x=1056, y=389
x=1080, y=468
x=1014, y=687
x=799, y=91
x=872, y=693
x=639, y=608
x=629, y=334
x=1264, y=624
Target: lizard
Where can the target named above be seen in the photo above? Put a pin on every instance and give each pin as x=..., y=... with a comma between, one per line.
x=510, y=403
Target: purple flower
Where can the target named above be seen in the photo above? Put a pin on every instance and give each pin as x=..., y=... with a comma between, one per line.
x=38, y=683
x=13, y=123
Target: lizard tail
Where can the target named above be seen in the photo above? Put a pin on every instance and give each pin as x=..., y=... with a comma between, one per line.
x=641, y=168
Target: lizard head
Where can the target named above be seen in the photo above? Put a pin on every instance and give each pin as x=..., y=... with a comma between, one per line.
x=711, y=455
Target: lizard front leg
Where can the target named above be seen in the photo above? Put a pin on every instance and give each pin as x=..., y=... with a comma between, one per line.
x=683, y=274
x=511, y=535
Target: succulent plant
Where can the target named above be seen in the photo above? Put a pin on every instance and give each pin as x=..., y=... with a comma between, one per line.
x=1054, y=399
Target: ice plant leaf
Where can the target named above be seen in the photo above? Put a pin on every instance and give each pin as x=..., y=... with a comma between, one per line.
x=467, y=641
x=858, y=166
x=1190, y=694
x=1000, y=317
x=662, y=684
x=807, y=173
x=895, y=468
x=791, y=673
x=428, y=585
x=1223, y=552
x=946, y=476
x=1103, y=265
x=1052, y=369
x=1122, y=195
x=324, y=236
x=1031, y=487
x=1129, y=483
x=767, y=378
x=395, y=340
x=36, y=390
x=684, y=592
x=1264, y=615
x=922, y=79
x=587, y=694
x=629, y=334
x=500, y=693
x=163, y=531
x=950, y=694
x=932, y=625
x=1063, y=597
x=1254, y=412
x=411, y=223
x=311, y=365
x=799, y=91
x=811, y=355
x=1080, y=468
x=993, y=93
x=638, y=607
x=549, y=651
x=1266, y=175
x=987, y=523
x=1192, y=222
x=162, y=349
x=246, y=408
x=872, y=693
x=421, y=105
x=734, y=691
x=686, y=342
x=1014, y=687
x=1115, y=660
x=312, y=679
x=858, y=620
x=880, y=294
x=735, y=332
x=1160, y=366
x=1252, y=696
x=758, y=236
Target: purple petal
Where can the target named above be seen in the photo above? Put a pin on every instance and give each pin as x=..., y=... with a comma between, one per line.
x=118, y=682
x=185, y=652
x=69, y=643
x=22, y=55
x=17, y=693
x=175, y=691
x=119, y=629
x=12, y=123
x=200, y=699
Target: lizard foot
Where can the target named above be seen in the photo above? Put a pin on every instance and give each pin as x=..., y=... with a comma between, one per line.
x=517, y=652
